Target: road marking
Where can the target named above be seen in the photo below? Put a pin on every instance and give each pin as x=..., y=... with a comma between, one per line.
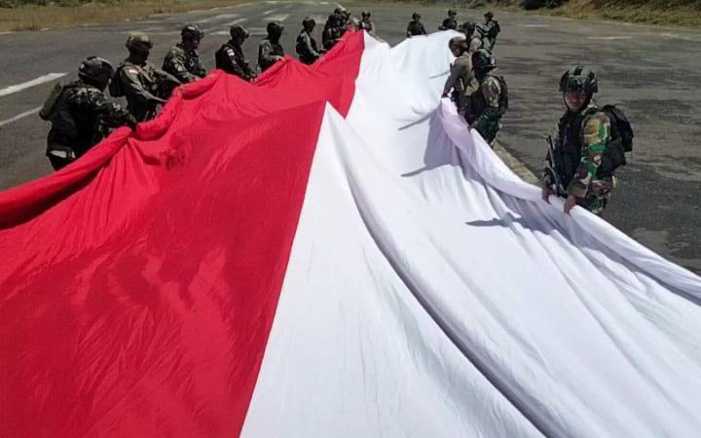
x=257, y=31
x=278, y=17
x=611, y=38
x=535, y=25
x=5, y=33
x=238, y=20
x=216, y=18
x=20, y=116
x=33, y=83
x=270, y=11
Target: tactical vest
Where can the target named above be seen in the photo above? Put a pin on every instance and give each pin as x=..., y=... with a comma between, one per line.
x=569, y=152
x=477, y=104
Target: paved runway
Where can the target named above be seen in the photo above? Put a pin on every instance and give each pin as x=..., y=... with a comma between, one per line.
x=655, y=73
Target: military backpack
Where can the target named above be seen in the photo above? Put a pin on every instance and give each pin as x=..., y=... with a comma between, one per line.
x=621, y=138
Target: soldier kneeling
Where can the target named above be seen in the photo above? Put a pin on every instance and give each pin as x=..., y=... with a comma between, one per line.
x=80, y=113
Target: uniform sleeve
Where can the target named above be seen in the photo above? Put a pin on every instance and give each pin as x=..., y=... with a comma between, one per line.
x=175, y=64
x=596, y=130
x=129, y=77
x=230, y=56
x=491, y=92
x=307, y=43
x=456, y=71
x=266, y=56
x=111, y=113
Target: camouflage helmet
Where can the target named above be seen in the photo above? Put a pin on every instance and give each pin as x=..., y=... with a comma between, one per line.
x=95, y=69
x=274, y=29
x=415, y=16
x=138, y=41
x=483, y=61
x=452, y=13
x=579, y=78
x=308, y=22
x=238, y=32
x=191, y=32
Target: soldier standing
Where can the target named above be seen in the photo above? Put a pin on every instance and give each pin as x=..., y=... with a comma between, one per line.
x=332, y=31
x=450, y=22
x=366, y=23
x=230, y=57
x=490, y=101
x=80, y=113
x=270, y=51
x=415, y=27
x=306, y=44
x=182, y=60
x=577, y=163
x=488, y=31
x=461, y=80
x=144, y=86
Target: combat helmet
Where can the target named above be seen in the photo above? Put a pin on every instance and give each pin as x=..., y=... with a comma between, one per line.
x=274, y=29
x=139, y=42
x=308, y=22
x=238, y=32
x=191, y=32
x=579, y=78
x=96, y=70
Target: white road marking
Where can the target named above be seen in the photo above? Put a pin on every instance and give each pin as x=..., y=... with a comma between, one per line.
x=33, y=83
x=20, y=116
x=217, y=18
x=257, y=31
x=238, y=20
x=277, y=17
x=270, y=11
x=611, y=38
x=535, y=25
x=5, y=33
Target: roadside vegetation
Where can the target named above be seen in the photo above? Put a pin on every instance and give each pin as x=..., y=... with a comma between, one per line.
x=18, y=15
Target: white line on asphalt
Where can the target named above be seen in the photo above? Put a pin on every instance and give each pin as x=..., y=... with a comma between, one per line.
x=535, y=25
x=20, y=116
x=277, y=17
x=611, y=38
x=216, y=18
x=268, y=12
x=5, y=33
x=238, y=20
x=34, y=82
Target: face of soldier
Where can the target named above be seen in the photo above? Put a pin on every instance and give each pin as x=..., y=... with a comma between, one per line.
x=191, y=43
x=575, y=100
x=139, y=56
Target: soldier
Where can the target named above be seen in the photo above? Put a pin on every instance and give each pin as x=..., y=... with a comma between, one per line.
x=577, y=166
x=415, y=27
x=306, y=44
x=450, y=22
x=366, y=23
x=474, y=41
x=490, y=101
x=144, y=86
x=182, y=60
x=80, y=113
x=461, y=81
x=488, y=31
x=230, y=57
x=332, y=31
x=270, y=51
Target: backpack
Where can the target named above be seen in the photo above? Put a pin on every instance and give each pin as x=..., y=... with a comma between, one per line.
x=49, y=107
x=116, y=83
x=621, y=140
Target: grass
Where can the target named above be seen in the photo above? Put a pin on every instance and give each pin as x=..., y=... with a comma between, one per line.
x=36, y=17
x=659, y=12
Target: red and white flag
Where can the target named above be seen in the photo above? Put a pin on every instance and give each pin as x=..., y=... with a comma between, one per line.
x=330, y=253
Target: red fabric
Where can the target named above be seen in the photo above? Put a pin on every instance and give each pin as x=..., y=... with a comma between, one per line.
x=139, y=284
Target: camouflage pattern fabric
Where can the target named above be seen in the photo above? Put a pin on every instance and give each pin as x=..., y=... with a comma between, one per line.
x=485, y=104
x=144, y=87
x=231, y=59
x=184, y=64
x=415, y=28
x=268, y=53
x=307, y=48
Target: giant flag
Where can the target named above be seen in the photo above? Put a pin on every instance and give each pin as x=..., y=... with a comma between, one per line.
x=329, y=252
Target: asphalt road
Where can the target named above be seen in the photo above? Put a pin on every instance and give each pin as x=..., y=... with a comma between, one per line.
x=655, y=73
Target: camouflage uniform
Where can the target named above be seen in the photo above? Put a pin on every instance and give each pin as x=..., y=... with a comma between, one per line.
x=461, y=81
x=184, y=64
x=488, y=33
x=483, y=113
x=267, y=51
x=449, y=23
x=333, y=31
x=306, y=48
x=144, y=87
x=415, y=27
x=580, y=143
x=231, y=59
x=80, y=119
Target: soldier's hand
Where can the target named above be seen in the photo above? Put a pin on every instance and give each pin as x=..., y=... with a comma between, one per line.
x=570, y=202
x=546, y=192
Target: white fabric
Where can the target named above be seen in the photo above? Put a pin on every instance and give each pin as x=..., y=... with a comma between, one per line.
x=430, y=292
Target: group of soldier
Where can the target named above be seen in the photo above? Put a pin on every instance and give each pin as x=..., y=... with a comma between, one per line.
x=580, y=162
